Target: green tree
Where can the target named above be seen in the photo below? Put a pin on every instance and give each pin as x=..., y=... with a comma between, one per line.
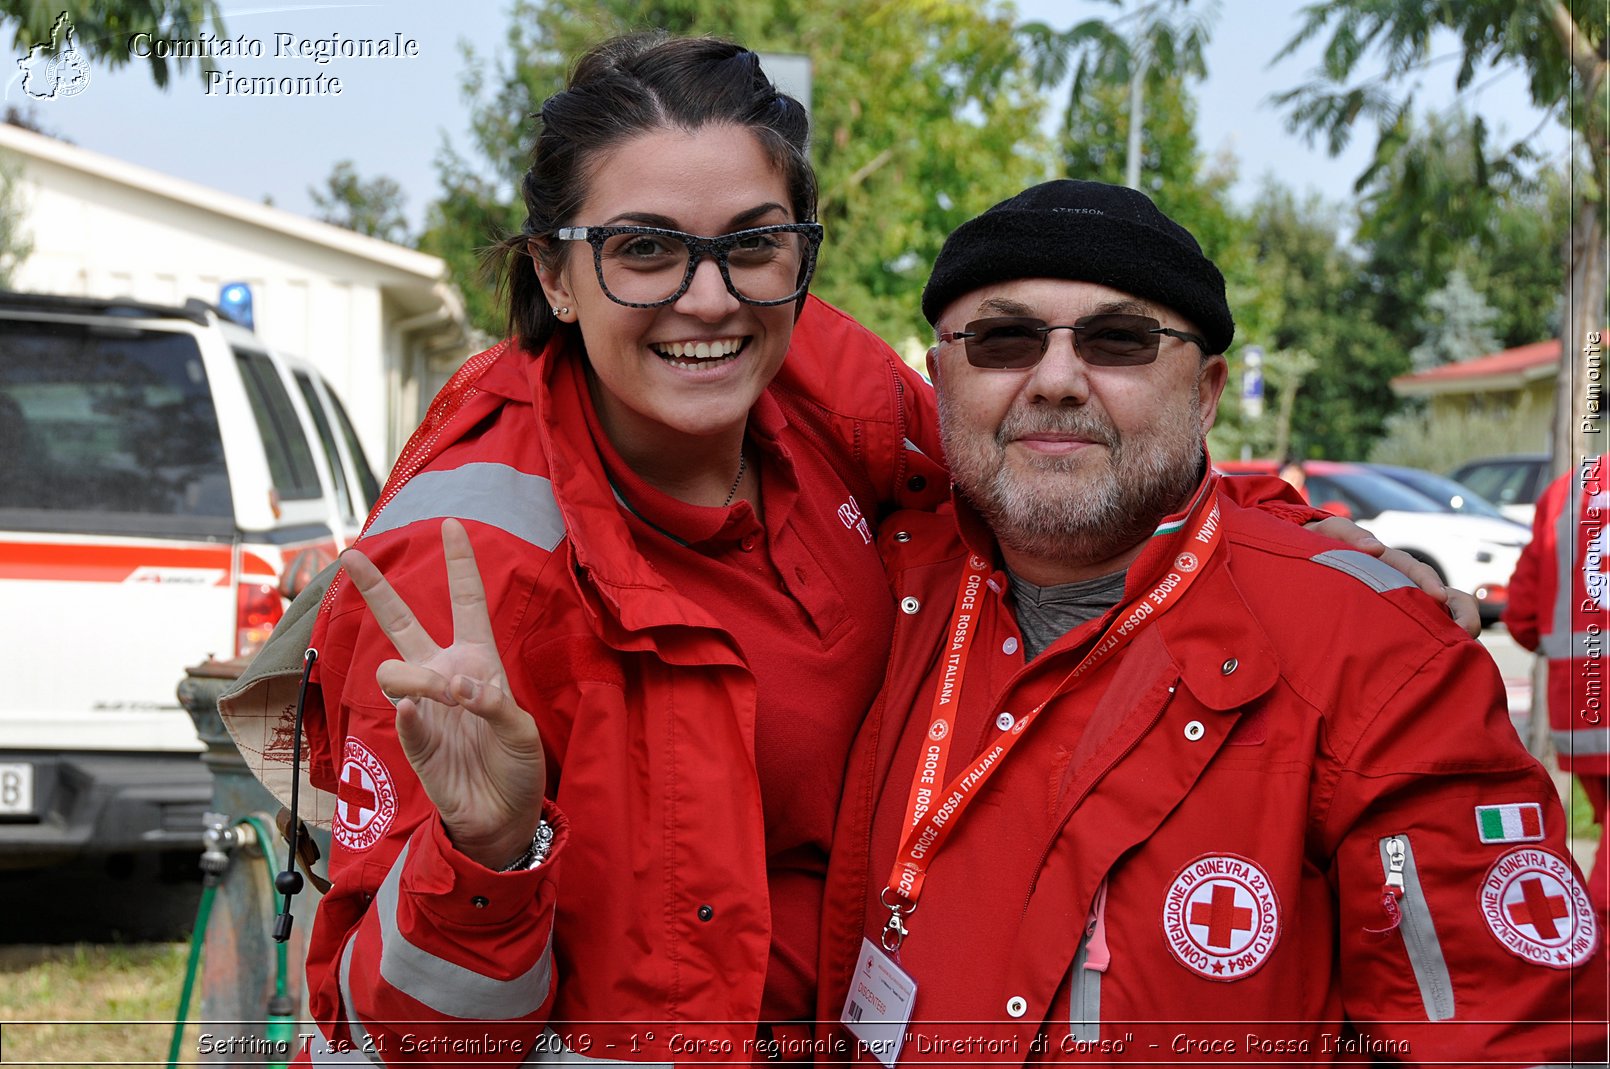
x=101, y=30
x=1310, y=307
x=1455, y=324
x=1148, y=45
x=924, y=115
x=373, y=207
x=1560, y=48
x=1436, y=206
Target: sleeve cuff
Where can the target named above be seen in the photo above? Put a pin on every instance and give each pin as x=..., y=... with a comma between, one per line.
x=466, y=892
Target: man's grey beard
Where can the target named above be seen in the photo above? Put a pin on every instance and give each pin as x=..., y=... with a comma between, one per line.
x=1076, y=522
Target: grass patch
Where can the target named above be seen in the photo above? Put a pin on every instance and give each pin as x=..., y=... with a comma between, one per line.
x=1581, y=813
x=88, y=1004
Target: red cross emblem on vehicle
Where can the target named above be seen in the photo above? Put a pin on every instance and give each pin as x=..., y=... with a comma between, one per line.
x=1221, y=917
x=366, y=798
x=1536, y=907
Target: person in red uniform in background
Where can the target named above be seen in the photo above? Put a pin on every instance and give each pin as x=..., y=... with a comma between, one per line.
x=1153, y=777
x=1559, y=606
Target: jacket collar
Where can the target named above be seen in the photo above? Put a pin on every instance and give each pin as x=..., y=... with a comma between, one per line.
x=605, y=562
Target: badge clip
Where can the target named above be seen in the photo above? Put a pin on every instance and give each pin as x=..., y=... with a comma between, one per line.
x=895, y=931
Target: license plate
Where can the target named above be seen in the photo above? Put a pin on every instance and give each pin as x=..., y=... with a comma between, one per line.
x=16, y=789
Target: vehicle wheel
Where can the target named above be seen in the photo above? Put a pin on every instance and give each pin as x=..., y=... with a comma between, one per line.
x=1426, y=558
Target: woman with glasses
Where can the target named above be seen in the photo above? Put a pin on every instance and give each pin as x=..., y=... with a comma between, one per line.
x=585, y=771
x=670, y=476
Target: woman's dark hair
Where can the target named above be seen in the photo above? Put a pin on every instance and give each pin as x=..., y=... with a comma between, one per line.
x=624, y=87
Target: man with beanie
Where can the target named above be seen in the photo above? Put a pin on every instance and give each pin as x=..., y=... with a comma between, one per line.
x=1154, y=777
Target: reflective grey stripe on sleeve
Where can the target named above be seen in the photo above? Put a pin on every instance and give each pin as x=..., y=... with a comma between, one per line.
x=1583, y=742
x=551, y=1051
x=1569, y=646
x=1420, y=936
x=1365, y=568
x=446, y=987
x=361, y=1046
x=493, y=494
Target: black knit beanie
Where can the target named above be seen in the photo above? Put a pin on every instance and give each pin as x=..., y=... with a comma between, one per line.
x=1088, y=232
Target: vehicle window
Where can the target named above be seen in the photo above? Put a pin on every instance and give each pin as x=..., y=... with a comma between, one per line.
x=1322, y=490
x=321, y=423
x=366, y=475
x=1380, y=494
x=1456, y=495
x=108, y=429
x=290, y=458
x=1532, y=486
x=1502, y=484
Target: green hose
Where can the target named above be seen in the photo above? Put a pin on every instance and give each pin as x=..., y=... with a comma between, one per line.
x=197, y=937
x=280, y=1029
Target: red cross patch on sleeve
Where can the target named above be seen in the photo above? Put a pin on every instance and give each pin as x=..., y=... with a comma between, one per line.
x=1535, y=906
x=366, y=800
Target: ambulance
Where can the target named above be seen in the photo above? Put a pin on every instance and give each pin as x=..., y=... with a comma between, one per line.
x=164, y=478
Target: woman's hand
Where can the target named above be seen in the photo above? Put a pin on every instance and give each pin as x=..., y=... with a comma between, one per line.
x=1460, y=605
x=477, y=754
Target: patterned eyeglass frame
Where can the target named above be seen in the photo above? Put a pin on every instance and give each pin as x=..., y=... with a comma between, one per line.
x=698, y=248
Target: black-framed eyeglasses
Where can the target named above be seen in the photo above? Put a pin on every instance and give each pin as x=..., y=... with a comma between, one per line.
x=1106, y=340
x=645, y=266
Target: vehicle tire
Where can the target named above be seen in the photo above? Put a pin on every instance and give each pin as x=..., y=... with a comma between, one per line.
x=1426, y=558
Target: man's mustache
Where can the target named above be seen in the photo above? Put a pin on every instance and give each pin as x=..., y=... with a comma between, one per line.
x=1077, y=422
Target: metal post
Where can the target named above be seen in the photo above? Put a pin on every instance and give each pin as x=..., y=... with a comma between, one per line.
x=238, y=967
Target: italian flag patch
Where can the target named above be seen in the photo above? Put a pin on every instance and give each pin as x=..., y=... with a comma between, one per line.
x=1519, y=822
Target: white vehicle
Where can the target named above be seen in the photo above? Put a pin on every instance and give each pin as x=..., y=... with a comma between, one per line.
x=163, y=470
x=1474, y=553
x=1513, y=482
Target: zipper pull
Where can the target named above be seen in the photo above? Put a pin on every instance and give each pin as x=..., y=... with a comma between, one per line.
x=1392, y=889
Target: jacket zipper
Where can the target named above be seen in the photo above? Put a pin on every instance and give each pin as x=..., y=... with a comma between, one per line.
x=1089, y=963
x=1419, y=933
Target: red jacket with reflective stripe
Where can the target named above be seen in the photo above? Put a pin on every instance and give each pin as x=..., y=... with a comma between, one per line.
x=1238, y=781
x=646, y=711
x=1566, y=620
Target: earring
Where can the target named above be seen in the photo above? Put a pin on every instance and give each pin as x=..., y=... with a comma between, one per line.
x=559, y=313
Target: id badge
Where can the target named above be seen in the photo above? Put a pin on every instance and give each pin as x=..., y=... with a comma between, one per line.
x=878, y=1007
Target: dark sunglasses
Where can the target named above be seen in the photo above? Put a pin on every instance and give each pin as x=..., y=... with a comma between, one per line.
x=1110, y=340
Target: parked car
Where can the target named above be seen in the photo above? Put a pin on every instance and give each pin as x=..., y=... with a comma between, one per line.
x=1453, y=495
x=164, y=470
x=1510, y=482
x=1474, y=553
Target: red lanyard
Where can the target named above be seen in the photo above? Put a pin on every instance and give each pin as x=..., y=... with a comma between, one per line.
x=934, y=814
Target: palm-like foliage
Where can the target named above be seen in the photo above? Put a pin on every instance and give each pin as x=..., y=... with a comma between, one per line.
x=1142, y=47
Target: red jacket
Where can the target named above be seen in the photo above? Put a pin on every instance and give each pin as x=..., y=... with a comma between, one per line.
x=1566, y=622
x=650, y=918
x=1184, y=860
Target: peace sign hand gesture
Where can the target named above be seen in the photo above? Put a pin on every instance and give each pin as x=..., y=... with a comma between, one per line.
x=477, y=754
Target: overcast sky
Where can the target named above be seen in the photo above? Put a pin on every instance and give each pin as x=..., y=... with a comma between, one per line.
x=392, y=115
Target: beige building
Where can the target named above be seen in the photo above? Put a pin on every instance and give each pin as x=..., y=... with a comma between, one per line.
x=1521, y=381
x=381, y=321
